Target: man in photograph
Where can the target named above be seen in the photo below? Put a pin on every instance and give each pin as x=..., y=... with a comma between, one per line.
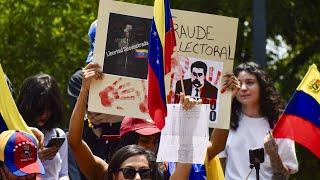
x=123, y=60
x=197, y=86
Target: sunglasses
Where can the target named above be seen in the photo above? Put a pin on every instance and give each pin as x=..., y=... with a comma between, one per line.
x=130, y=172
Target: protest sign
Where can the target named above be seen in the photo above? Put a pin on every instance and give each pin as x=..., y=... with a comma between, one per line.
x=204, y=52
x=121, y=49
x=183, y=138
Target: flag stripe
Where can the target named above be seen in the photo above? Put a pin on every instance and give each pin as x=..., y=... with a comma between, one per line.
x=159, y=19
x=304, y=106
x=9, y=111
x=299, y=130
x=168, y=52
x=156, y=83
x=168, y=17
x=170, y=40
x=156, y=61
x=310, y=84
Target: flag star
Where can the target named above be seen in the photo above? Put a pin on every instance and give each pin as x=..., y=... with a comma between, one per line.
x=157, y=61
x=154, y=33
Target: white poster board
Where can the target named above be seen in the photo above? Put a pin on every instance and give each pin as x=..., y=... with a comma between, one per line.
x=183, y=139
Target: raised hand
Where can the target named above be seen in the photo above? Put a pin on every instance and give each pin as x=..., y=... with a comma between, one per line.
x=230, y=83
x=188, y=102
x=92, y=70
x=48, y=153
x=270, y=144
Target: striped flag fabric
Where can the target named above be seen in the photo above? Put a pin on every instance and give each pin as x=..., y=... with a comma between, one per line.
x=161, y=44
x=10, y=118
x=301, y=118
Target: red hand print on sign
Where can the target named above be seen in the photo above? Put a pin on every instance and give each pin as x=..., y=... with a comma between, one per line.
x=116, y=91
x=143, y=105
x=180, y=65
x=122, y=91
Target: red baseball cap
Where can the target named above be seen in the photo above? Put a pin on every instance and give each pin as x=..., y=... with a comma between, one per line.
x=140, y=126
x=19, y=152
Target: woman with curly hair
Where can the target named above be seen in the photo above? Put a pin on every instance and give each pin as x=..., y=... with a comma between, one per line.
x=255, y=110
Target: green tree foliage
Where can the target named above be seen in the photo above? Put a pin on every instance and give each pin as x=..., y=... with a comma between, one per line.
x=44, y=36
x=50, y=36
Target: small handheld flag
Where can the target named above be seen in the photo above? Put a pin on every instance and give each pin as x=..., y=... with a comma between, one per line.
x=301, y=118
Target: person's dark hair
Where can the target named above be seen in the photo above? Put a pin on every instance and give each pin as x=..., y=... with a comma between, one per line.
x=38, y=94
x=131, y=138
x=123, y=154
x=128, y=139
x=271, y=104
x=199, y=64
x=128, y=23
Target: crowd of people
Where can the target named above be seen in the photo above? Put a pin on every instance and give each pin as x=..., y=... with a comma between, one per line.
x=104, y=146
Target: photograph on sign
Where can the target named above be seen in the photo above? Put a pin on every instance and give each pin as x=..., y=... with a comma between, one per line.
x=126, y=51
x=198, y=78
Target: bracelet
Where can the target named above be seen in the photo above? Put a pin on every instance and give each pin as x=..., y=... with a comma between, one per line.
x=94, y=126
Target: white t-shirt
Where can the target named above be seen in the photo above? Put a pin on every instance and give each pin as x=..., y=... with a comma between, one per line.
x=250, y=135
x=57, y=168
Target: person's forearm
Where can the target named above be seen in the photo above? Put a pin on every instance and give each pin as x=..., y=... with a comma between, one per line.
x=77, y=118
x=280, y=172
x=218, y=141
x=181, y=172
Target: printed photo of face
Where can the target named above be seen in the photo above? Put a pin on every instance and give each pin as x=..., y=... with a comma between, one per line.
x=127, y=30
x=197, y=77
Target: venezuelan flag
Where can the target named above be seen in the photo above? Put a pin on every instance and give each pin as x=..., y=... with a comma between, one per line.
x=161, y=44
x=141, y=54
x=301, y=118
x=10, y=118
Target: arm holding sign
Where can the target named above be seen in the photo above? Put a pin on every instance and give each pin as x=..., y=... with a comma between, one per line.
x=219, y=137
x=182, y=170
x=89, y=164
